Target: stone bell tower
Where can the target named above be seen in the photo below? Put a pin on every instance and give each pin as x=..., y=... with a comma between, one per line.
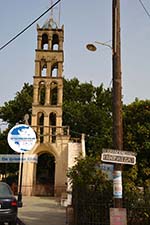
x=48, y=82
x=52, y=137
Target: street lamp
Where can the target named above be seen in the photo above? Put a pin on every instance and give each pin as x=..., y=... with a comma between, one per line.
x=92, y=47
x=116, y=95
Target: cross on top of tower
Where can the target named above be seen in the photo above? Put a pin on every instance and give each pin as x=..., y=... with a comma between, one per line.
x=51, y=23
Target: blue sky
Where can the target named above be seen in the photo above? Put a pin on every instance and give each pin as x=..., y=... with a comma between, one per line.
x=84, y=22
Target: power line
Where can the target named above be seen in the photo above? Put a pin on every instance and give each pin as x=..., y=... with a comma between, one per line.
x=144, y=7
x=21, y=32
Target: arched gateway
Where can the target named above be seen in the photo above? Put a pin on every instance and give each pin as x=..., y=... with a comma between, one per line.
x=54, y=148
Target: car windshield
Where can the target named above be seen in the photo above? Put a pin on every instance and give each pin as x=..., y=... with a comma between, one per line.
x=4, y=190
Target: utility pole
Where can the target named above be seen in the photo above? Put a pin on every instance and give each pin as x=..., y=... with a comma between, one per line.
x=117, y=101
x=116, y=98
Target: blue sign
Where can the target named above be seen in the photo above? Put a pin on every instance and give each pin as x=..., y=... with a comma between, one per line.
x=108, y=169
x=5, y=158
x=21, y=138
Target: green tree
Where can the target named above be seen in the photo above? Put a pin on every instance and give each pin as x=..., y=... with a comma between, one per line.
x=137, y=139
x=87, y=174
x=13, y=111
x=92, y=191
x=87, y=109
x=5, y=149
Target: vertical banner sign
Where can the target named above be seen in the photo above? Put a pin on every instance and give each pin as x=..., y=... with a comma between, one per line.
x=117, y=184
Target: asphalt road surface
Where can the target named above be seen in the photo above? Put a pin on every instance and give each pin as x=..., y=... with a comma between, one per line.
x=41, y=211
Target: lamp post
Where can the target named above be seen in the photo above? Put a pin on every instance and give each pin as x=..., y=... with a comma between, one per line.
x=116, y=97
x=20, y=204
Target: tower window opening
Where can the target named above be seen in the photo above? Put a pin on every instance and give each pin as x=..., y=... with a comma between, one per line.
x=43, y=67
x=54, y=72
x=45, y=42
x=44, y=70
x=52, y=119
x=53, y=93
x=42, y=93
x=52, y=122
x=40, y=131
x=55, y=42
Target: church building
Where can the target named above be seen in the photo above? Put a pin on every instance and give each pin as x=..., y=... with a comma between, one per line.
x=55, y=148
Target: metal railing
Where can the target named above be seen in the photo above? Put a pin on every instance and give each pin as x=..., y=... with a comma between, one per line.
x=50, y=133
x=92, y=208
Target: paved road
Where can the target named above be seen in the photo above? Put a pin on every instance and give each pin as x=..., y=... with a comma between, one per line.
x=42, y=211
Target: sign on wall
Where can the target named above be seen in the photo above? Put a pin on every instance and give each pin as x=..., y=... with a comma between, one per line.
x=15, y=158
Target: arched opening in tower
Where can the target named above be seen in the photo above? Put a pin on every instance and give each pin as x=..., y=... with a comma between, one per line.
x=53, y=93
x=42, y=93
x=44, y=71
x=40, y=123
x=52, y=123
x=54, y=72
x=45, y=175
x=44, y=42
x=55, y=42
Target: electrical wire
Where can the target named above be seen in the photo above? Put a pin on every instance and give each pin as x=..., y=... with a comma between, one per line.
x=27, y=27
x=144, y=7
